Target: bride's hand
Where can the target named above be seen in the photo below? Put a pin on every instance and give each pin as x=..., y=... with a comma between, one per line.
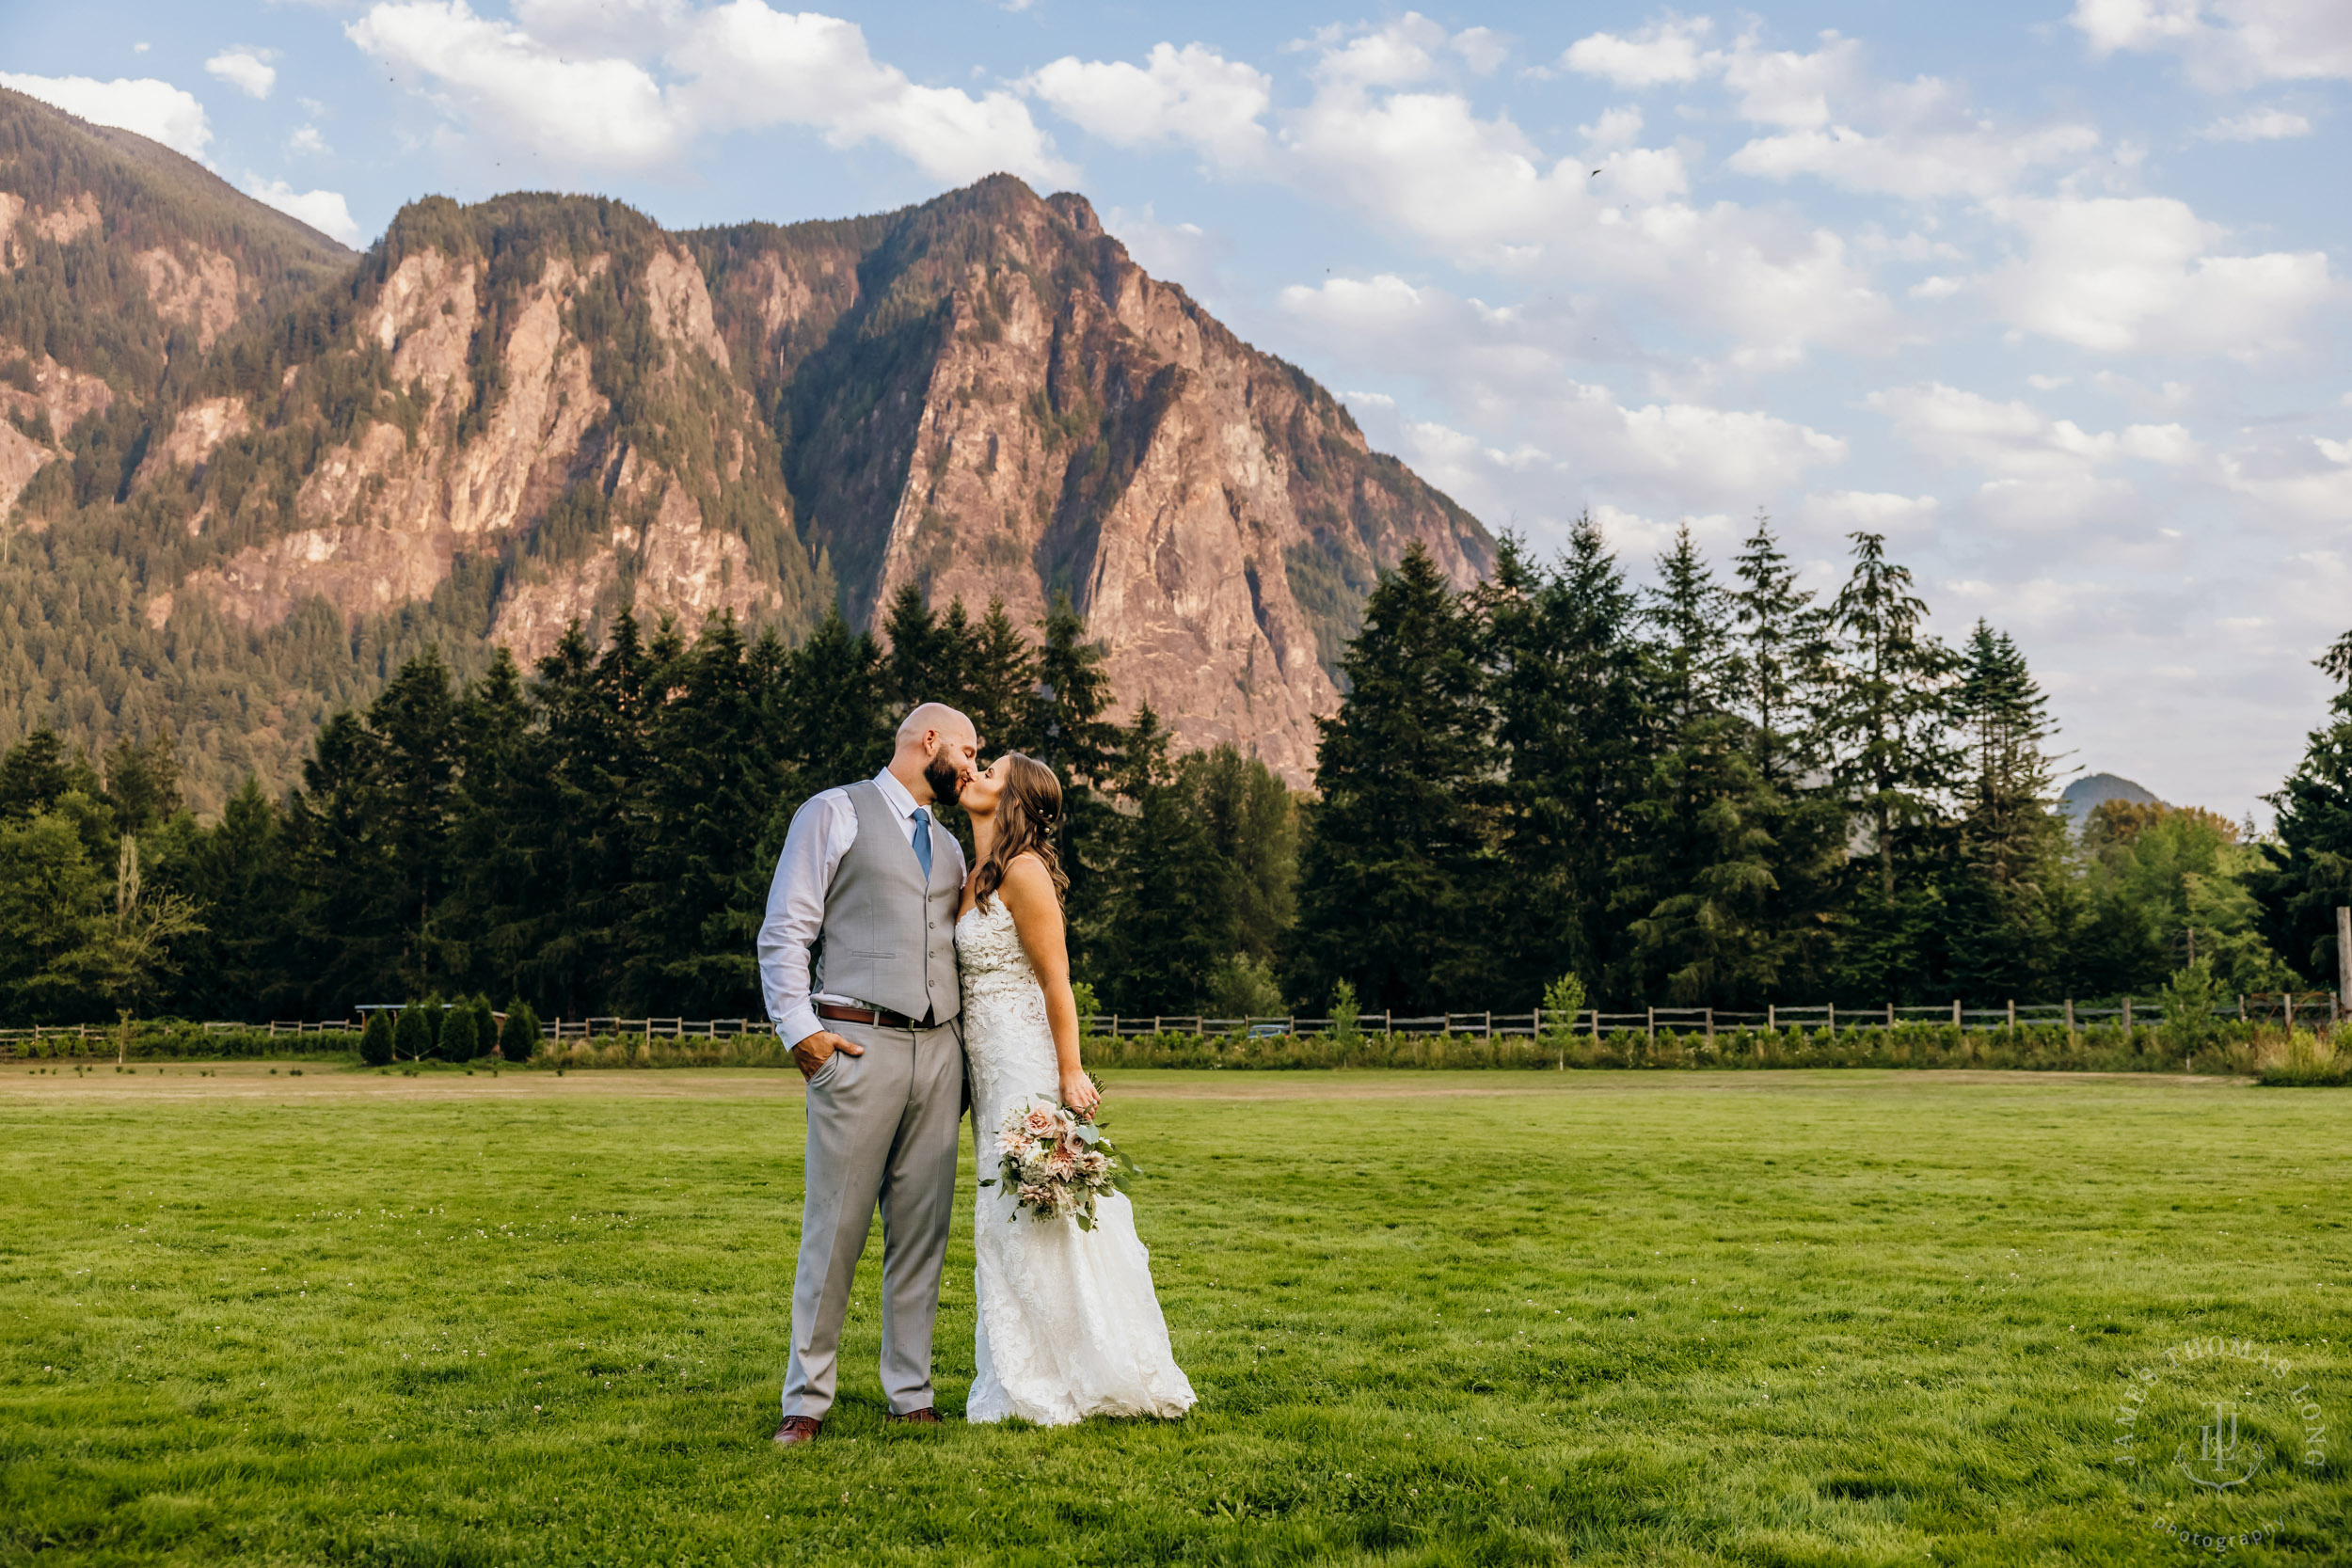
x=1079, y=1093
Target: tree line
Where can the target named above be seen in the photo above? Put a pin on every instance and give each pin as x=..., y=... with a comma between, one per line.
x=1722, y=790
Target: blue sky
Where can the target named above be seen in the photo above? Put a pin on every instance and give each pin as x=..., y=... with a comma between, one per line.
x=2051, y=294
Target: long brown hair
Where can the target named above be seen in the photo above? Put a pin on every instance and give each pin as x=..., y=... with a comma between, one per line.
x=1028, y=813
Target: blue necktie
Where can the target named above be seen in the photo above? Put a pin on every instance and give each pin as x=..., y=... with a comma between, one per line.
x=923, y=842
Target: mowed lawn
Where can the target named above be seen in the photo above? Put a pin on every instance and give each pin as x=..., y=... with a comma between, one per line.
x=1761, y=1318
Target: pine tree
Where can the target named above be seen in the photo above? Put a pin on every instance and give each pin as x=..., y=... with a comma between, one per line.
x=375, y=1041
x=1698, y=880
x=1896, y=768
x=2308, y=869
x=999, y=677
x=1566, y=674
x=1165, y=912
x=519, y=1038
x=1780, y=684
x=1066, y=729
x=457, y=1042
x=2002, y=926
x=838, y=718
x=1398, y=880
x=412, y=1036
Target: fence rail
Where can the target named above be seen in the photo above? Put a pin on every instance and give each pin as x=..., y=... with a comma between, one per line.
x=2291, y=1007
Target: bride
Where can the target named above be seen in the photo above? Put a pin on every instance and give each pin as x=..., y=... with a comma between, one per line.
x=1069, y=1325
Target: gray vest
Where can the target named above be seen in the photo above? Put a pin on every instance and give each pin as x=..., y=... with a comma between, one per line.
x=889, y=938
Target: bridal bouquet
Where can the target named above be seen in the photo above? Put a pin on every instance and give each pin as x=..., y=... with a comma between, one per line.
x=1055, y=1163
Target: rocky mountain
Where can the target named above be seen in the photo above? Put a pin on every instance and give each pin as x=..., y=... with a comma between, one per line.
x=245, y=473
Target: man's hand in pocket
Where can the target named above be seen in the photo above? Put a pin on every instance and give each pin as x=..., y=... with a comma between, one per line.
x=818, y=1048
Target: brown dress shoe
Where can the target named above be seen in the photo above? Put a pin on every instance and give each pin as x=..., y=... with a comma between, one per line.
x=796, y=1431
x=925, y=1416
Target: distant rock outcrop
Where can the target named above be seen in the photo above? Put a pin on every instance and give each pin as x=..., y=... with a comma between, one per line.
x=2077, y=800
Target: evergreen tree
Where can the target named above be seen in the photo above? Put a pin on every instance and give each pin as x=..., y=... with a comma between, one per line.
x=38, y=769
x=2001, y=923
x=1780, y=685
x=1698, y=880
x=375, y=1041
x=143, y=783
x=1397, y=877
x=2308, y=870
x=701, y=863
x=999, y=679
x=1066, y=729
x=837, y=718
x=1896, y=768
x=1252, y=823
x=1566, y=675
x=519, y=1037
x=1165, y=910
x=412, y=1036
x=457, y=1042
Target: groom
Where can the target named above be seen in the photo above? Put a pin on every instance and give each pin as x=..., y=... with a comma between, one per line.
x=857, y=957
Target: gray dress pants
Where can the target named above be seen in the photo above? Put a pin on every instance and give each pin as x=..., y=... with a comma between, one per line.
x=882, y=1129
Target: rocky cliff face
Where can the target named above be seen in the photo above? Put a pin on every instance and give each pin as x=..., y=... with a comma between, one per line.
x=989, y=399
x=508, y=417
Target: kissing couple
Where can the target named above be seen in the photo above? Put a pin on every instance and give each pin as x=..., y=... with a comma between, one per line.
x=905, y=988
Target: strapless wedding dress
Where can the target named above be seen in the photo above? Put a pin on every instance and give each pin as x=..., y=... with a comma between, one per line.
x=1069, y=1324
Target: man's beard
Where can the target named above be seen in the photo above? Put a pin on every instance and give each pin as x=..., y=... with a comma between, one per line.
x=946, y=782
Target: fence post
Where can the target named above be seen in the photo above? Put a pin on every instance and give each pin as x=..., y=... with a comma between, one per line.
x=1653, y=1026
x=1597, y=1025
x=1956, y=1012
x=1710, y=1026
x=1388, y=1023
x=2290, y=996
x=1771, y=1017
x=1490, y=1023
x=2069, y=1018
x=2012, y=1012
x=2241, y=1006
x=1890, y=1015
x=1833, y=1021
x=2344, y=958
x=2127, y=1020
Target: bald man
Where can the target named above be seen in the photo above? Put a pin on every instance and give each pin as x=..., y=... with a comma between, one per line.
x=857, y=957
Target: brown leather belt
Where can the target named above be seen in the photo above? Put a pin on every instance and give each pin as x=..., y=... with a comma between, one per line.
x=878, y=1018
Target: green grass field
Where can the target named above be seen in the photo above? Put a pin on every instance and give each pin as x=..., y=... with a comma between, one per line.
x=1761, y=1317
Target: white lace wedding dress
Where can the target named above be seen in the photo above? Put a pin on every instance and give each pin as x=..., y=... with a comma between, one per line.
x=1069, y=1325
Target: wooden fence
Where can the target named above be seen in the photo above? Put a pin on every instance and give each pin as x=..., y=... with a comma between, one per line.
x=2308, y=1008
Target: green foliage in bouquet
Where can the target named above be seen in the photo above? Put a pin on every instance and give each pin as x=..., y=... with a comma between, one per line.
x=1055, y=1163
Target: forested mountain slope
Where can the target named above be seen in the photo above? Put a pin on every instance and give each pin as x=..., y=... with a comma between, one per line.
x=246, y=474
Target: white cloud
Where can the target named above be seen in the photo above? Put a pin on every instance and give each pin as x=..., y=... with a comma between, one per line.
x=1897, y=516
x=2133, y=275
x=1482, y=48
x=1478, y=190
x=154, y=109
x=248, y=71
x=598, y=113
x=1184, y=253
x=732, y=67
x=2308, y=480
x=1505, y=367
x=325, y=210
x=2260, y=125
x=308, y=142
x=2014, y=440
x=1191, y=95
x=2228, y=42
x=1665, y=50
